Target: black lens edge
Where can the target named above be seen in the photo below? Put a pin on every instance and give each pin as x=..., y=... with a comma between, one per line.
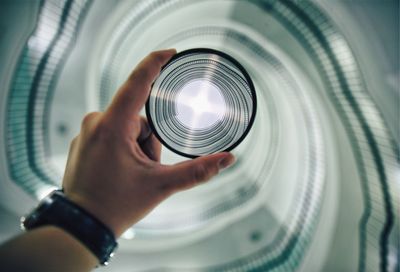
x=246, y=76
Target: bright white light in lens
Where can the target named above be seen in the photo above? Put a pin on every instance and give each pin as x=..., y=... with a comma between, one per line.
x=200, y=104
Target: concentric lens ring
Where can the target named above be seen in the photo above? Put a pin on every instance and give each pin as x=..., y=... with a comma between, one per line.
x=203, y=102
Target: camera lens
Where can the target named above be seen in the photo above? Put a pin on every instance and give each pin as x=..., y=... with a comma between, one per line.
x=203, y=102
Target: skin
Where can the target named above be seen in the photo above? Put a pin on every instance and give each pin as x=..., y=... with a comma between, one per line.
x=113, y=172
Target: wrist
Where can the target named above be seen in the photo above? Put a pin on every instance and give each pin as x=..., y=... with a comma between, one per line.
x=97, y=210
x=57, y=210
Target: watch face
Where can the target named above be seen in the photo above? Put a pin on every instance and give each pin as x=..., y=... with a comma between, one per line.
x=203, y=102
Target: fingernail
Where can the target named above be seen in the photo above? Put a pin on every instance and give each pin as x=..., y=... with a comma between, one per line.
x=171, y=50
x=226, y=162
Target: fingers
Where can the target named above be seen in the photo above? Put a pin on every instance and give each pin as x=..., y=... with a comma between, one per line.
x=148, y=142
x=145, y=130
x=133, y=94
x=188, y=174
x=152, y=148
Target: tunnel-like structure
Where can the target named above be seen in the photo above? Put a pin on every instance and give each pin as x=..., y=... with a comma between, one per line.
x=317, y=180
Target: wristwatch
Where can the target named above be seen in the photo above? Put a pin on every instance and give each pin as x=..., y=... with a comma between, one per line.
x=57, y=210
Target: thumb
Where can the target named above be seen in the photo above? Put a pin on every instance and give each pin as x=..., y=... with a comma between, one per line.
x=188, y=174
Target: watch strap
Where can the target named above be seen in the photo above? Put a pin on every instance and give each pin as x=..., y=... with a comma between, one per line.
x=59, y=211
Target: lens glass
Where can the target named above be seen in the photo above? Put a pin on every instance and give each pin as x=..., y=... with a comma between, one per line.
x=203, y=102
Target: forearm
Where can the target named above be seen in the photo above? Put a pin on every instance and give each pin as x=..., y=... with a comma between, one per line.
x=46, y=249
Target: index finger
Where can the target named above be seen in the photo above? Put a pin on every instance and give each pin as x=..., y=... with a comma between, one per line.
x=133, y=94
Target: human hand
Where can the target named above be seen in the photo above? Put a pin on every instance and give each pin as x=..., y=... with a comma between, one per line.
x=113, y=169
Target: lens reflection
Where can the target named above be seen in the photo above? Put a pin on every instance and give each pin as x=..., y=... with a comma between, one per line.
x=200, y=105
x=203, y=102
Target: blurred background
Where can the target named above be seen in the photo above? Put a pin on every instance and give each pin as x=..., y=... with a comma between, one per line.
x=316, y=186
